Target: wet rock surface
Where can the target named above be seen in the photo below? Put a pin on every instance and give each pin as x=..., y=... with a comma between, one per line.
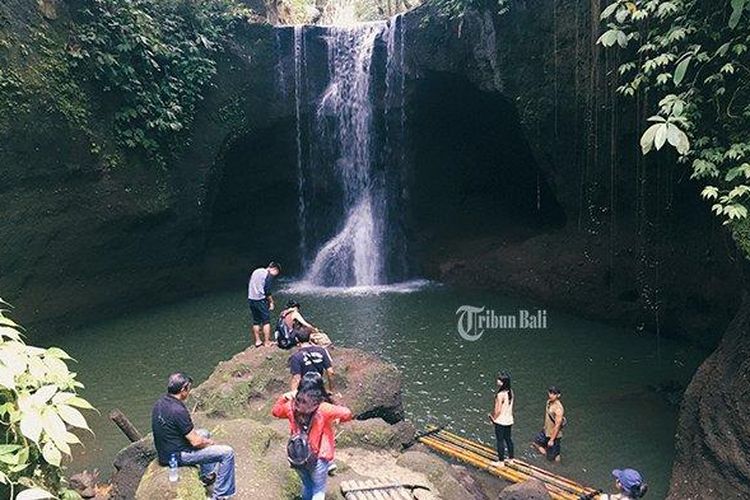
x=234, y=404
x=531, y=489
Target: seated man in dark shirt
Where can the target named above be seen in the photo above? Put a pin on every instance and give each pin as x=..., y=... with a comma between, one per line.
x=309, y=358
x=174, y=433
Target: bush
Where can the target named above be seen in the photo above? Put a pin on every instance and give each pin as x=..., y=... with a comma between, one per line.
x=38, y=405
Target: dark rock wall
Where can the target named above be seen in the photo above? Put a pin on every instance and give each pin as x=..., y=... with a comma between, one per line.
x=82, y=239
x=632, y=225
x=712, y=439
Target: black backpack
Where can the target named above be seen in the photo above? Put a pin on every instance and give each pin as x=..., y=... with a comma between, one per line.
x=285, y=336
x=298, y=450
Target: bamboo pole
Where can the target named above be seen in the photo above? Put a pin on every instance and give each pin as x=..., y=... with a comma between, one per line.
x=490, y=453
x=474, y=459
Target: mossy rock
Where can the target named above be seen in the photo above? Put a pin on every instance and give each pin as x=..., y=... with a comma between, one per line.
x=155, y=484
x=260, y=452
x=247, y=385
x=375, y=434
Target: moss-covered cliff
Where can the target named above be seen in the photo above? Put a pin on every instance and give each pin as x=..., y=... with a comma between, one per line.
x=94, y=224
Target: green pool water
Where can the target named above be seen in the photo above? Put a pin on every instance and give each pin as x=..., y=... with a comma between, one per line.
x=609, y=376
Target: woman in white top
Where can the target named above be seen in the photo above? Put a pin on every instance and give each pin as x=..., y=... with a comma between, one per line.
x=502, y=417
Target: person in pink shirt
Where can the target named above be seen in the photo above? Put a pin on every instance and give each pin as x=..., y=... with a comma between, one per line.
x=308, y=411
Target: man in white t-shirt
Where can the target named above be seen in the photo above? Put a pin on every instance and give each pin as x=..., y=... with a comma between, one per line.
x=260, y=300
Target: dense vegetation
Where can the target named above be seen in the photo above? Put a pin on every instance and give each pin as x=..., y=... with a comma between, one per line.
x=691, y=57
x=146, y=62
x=38, y=401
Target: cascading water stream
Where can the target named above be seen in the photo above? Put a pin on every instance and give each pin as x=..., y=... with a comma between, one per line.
x=341, y=120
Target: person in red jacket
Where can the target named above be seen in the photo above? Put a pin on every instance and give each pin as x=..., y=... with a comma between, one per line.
x=308, y=409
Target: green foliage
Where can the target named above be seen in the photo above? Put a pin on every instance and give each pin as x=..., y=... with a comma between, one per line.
x=38, y=405
x=152, y=60
x=35, y=78
x=454, y=9
x=693, y=56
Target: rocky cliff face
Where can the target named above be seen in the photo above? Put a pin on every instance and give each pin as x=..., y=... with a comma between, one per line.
x=542, y=191
x=84, y=238
x=712, y=439
x=620, y=229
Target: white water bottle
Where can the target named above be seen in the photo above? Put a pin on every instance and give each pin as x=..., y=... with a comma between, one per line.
x=174, y=471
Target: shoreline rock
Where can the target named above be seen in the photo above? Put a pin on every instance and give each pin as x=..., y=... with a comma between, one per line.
x=234, y=404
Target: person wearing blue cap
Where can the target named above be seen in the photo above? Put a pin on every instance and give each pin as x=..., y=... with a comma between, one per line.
x=629, y=483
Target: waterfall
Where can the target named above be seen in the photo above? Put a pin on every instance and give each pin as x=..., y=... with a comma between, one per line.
x=345, y=150
x=298, y=63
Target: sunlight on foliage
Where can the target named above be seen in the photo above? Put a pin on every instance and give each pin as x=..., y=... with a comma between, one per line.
x=39, y=406
x=693, y=55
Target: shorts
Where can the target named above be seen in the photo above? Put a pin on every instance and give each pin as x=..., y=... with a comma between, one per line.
x=261, y=313
x=552, y=451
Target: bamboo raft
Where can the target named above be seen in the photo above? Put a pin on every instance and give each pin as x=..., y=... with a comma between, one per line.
x=374, y=489
x=516, y=471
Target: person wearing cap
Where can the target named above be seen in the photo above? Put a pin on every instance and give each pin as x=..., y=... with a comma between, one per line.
x=629, y=484
x=260, y=300
x=548, y=441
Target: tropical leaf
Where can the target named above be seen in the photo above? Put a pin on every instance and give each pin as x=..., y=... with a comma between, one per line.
x=72, y=416
x=51, y=454
x=34, y=494
x=681, y=69
x=737, y=8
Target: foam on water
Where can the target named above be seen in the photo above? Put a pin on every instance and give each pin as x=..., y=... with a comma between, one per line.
x=305, y=287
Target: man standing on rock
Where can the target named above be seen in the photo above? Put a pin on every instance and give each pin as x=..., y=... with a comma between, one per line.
x=261, y=301
x=310, y=358
x=547, y=442
x=175, y=435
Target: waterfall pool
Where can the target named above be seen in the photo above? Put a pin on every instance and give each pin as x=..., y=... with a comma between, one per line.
x=614, y=381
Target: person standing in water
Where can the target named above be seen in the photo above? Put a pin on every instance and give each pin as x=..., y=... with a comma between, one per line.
x=502, y=418
x=261, y=301
x=548, y=440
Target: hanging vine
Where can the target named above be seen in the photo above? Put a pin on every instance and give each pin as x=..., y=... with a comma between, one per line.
x=693, y=55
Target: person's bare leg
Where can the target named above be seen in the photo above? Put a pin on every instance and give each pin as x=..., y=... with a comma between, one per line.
x=256, y=333
x=267, y=333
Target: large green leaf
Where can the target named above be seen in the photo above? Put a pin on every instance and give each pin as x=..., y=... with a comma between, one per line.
x=34, y=494
x=31, y=425
x=737, y=7
x=72, y=416
x=51, y=454
x=647, y=139
x=681, y=69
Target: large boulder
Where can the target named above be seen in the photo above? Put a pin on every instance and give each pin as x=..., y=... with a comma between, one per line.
x=248, y=384
x=234, y=404
x=713, y=438
x=375, y=433
x=531, y=489
x=130, y=464
x=155, y=484
x=260, y=464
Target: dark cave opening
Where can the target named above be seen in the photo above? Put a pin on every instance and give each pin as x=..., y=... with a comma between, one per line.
x=254, y=211
x=473, y=173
